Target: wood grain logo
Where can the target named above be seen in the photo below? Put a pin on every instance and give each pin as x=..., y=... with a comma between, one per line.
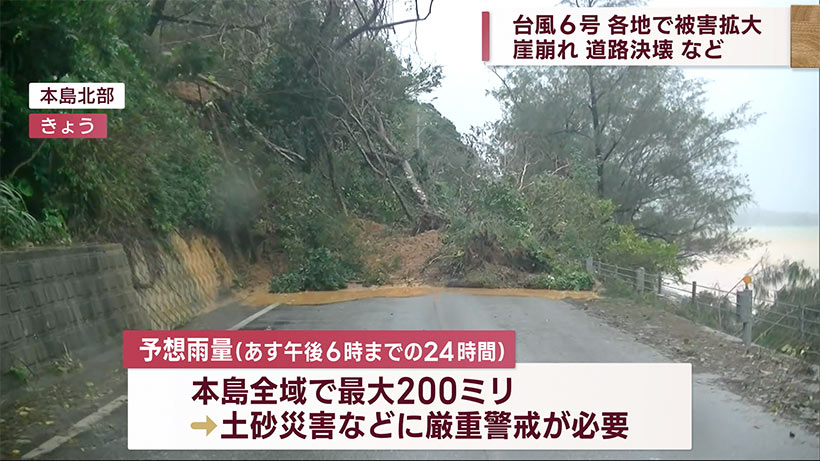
x=805, y=30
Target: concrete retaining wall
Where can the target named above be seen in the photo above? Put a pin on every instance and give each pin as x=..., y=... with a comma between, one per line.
x=179, y=279
x=63, y=299
x=58, y=300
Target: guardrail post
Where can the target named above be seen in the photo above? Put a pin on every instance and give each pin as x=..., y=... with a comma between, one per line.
x=720, y=317
x=640, y=274
x=694, y=291
x=802, y=321
x=660, y=282
x=589, y=266
x=744, y=307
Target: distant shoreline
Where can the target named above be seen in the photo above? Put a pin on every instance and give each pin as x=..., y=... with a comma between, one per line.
x=780, y=242
x=749, y=225
x=768, y=218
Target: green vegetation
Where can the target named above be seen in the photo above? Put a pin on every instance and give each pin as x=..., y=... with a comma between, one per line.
x=792, y=324
x=155, y=170
x=376, y=277
x=18, y=226
x=320, y=272
x=273, y=125
x=639, y=137
x=20, y=374
x=547, y=229
x=562, y=279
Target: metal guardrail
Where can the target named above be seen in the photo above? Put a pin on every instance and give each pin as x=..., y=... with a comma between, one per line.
x=772, y=323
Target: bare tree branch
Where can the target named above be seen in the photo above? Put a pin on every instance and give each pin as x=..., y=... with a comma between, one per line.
x=36, y=151
x=369, y=23
x=283, y=151
x=226, y=26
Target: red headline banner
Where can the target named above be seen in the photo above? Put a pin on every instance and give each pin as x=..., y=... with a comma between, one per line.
x=319, y=349
x=67, y=126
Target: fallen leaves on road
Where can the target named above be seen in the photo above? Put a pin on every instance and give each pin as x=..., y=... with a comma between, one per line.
x=37, y=411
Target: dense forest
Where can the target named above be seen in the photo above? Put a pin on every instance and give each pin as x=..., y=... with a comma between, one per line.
x=275, y=125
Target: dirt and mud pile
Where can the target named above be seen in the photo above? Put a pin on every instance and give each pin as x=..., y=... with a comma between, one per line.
x=406, y=259
x=399, y=258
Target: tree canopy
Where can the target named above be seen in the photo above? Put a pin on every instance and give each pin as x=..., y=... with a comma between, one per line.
x=642, y=137
x=274, y=125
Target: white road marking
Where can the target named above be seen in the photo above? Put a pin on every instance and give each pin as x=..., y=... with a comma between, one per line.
x=253, y=317
x=86, y=423
x=78, y=428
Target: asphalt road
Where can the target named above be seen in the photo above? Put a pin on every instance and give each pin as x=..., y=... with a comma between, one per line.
x=724, y=426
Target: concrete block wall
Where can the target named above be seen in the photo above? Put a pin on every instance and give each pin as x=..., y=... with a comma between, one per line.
x=80, y=298
x=54, y=300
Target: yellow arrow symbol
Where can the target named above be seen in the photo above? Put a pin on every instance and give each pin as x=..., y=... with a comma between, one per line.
x=209, y=425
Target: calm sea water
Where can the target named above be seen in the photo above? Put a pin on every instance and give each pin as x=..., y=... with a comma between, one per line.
x=794, y=243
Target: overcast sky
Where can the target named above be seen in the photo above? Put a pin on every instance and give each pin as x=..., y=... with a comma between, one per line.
x=779, y=154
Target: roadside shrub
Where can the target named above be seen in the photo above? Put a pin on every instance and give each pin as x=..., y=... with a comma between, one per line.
x=51, y=229
x=575, y=280
x=289, y=282
x=540, y=282
x=17, y=226
x=376, y=277
x=325, y=271
x=561, y=279
x=618, y=288
x=493, y=228
x=322, y=271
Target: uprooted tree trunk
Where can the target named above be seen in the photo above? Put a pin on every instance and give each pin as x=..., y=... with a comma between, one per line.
x=363, y=137
x=431, y=218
